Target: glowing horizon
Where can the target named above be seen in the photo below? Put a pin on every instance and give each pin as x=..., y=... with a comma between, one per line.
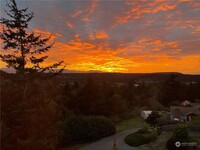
x=121, y=36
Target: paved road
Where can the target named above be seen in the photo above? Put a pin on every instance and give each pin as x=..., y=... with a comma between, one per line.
x=107, y=143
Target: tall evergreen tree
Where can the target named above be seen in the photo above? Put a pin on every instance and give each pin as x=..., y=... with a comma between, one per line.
x=30, y=113
x=26, y=46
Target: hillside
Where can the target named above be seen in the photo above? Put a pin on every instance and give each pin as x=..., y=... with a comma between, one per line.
x=127, y=77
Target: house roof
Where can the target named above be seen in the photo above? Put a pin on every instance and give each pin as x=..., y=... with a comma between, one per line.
x=185, y=110
x=190, y=113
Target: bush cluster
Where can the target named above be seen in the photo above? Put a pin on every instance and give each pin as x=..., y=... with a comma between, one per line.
x=136, y=139
x=180, y=134
x=143, y=136
x=87, y=128
x=152, y=118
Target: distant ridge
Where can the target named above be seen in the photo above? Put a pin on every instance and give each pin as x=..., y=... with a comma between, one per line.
x=71, y=75
x=8, y=70
x=12, y=70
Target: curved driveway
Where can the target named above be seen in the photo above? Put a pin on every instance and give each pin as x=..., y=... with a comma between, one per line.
x=107, y=143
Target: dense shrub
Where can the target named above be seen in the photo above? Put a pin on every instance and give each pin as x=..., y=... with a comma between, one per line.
x=150, y=137
x=152, y=118
x=180, y=134
x=143, y=136
x=87, y=128
x=135, y=139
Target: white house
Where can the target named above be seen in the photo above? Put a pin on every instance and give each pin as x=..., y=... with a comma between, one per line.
x=145, y=113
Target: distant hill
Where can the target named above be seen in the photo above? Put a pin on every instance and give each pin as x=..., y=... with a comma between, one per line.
x=12, y=70
x=119, y=77
x=8, y=70
x=127, y=77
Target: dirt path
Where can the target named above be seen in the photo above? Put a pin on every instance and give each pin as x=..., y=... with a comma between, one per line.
x=107, y=143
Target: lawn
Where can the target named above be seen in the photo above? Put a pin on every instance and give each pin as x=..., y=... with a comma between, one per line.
x=196, y=120
x=134, y=122
x=196, y=136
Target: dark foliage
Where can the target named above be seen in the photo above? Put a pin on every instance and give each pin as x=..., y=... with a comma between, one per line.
x=119, y=94
x=152, y=118
x=192, y=91
x=93, y=98
x=180, y=134
x=87, y=128
x=137, y=139
x=29, y=118
x=171, y=90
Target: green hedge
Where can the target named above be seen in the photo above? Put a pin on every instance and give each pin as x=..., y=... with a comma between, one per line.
x=136, y=139
x=87, y=128
x=143, y=136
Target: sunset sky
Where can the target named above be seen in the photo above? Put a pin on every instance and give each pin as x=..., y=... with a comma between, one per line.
x=120, y=36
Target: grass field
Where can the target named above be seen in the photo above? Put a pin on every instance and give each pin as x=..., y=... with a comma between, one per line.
x=134, y=122
x=196, y=120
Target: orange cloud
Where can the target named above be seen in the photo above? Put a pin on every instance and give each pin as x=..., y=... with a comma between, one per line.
x=156, y=42
x=46, y=34
x=164, y=7
x=160, y=43
x=69, y=25
x=98, y=35
x=77, y=13
x=89, y=11
x=123, y=18
x=138, y=9
x=101, y=35
x=84, y=56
